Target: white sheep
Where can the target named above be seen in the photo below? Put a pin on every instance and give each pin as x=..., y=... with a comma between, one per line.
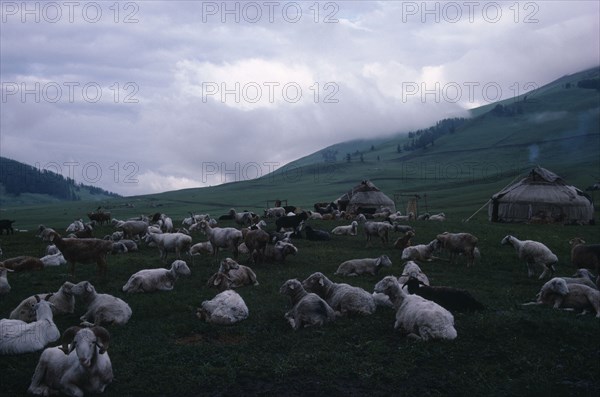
x=76, y=226
x=18, y=337
x=417, y=317
x=534, y=253
x=225, y=308
x=441, y=217
x=308, y=309
x=4, y=285
x=421, y=252
x=63, y=302
x=377, y=229
x=411, y=270
x=355, y=267
x=561, y=295
x=52, y=249
x=274, y=212
x=101, y=308
x=226, y=237
x=170, y=242
x=150, y=280
x=54, y=260
x=133, y=229
x=347, y=230
x=342, y=298
x=204, y=247
x=81, y=365
x=241, y=218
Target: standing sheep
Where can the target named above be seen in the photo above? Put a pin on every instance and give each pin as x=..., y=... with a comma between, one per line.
x=222, y=237
x=534, y=253
x=308, y=309
x=84, y=250
x=151, y=280
x=170, y=242
x=342, y=298
x=585, y=255
x=459, y=243
x=377, y=229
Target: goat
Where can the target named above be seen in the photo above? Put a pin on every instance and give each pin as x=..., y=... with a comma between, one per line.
x=226, y=308
x=80, y=365
x=417, y=317
x=342, y=298
x=316, y=234
x=150, y=280
x=293, y=222
x=534, y=253
x=101, y=308
x=18, y=337
x=83, y=250
x=585, y=255
x=308, y=309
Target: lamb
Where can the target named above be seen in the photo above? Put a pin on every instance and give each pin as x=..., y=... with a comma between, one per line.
x=278, y=252
x=150, y=280
x=421, y=252
x=225, y=308
x=585, y=255
x=133, y=229
x=226, y=237
x=349, y=230
x=342, y=298
x=316, y=234
x=232, y=275
x=83, y=250
x=23, y=263
x=170, y=242
x=308, y=309
x=18, y=337
x=441, y=217
x=4, y=285
x=417, y=317
x=560, y=295
x=63, y=302
x=534, y=253
x=459, y=243
x=204, y=247
x=404, y=241
x=379, y=229
x=101, y=308
x=453, y=299
x=81, y=365
x=53, y=260
x=355, y=267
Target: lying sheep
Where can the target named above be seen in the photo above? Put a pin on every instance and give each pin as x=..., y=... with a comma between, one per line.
x=151, y=280
x=101, y=308
x=355, y=267
x=278, y=252
x=534, y=253
x=23, y=263
x=459, y=243
x=63, y=302
x=316, y=234
x=80, y=365
x=349, y=230
x=417, y=317
x=53, y=260
x=202, y=248
x=560, y=295
x=232, y=275
x=585, y=273
x=226, y=308
x=441, y=217
x=421, y=252
x=404, y=241
x=453, y=299
x=4, y=285
x=342, y=298
x=308, y=309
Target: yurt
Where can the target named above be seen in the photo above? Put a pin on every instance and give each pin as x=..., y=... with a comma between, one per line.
x=365, y=198
x=541, y=196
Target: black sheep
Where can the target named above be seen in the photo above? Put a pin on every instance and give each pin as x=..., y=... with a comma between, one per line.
x=453, y=299
x=316, y=234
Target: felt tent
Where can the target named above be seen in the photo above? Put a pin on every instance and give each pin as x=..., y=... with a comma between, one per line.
x=365, y=197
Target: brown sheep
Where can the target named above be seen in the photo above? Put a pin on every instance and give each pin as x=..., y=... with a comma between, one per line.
x=83, y=250
x=23, y=263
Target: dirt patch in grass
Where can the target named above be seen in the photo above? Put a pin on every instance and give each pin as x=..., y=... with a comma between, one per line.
x=196, y=339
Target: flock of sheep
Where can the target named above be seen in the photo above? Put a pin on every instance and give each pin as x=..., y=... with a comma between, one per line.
x=82, y=365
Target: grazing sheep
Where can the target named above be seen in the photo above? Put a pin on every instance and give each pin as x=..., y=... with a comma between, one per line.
x=204, y=247
x=377, y=229
x=308, y=309
x=417, y=317
x=101, y=308
x=404, y=241
x=355, y=267
x=133, y=229
x=349, y=230
x=63, y=302
x=18, y=337
x=316, y=234
x=232, y=275
x=343, y=298
x=170, y=242
x=222, y=237
x=278, y=252
x=84, y=250
x=561, y=295
x=453, y=299
x=534, y=253
x=585, y=255
x=421, y=252
x=23, y=263
x=459, y=243
x=151, y=280
x=53, y=260
x=225, y=308
x=4, y=285
x=81, y=365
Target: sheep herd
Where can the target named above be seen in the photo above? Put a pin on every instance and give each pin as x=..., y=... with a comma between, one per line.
x=424, y=312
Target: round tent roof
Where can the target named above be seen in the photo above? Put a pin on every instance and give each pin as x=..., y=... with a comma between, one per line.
x=365, y=195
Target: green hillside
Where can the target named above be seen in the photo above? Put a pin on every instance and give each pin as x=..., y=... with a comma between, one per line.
x=557, y=127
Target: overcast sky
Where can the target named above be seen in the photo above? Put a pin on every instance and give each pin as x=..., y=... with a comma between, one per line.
x=149, y=96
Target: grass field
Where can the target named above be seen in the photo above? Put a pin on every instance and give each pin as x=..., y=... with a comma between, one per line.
x=165, y=350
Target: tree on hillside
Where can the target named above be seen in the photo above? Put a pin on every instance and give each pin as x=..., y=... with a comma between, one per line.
x=348, y=158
